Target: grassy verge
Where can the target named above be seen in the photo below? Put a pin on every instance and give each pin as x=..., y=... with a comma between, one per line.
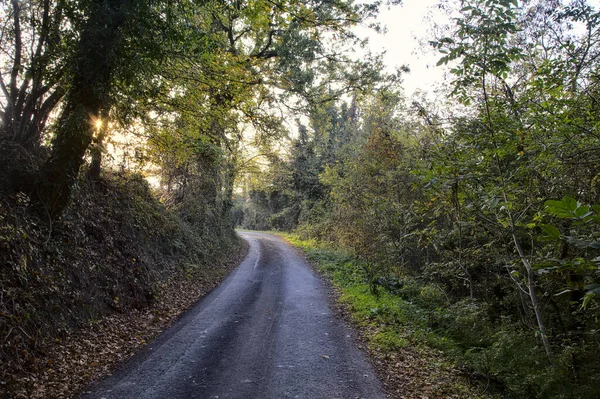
x=412, y=359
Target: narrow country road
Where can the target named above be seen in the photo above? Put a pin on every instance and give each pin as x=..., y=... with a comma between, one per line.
x=267, y=332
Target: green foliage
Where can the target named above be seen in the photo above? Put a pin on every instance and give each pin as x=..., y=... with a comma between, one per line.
x=480, y=43
x=582, y=264
x=508, y=358
x=399, y=321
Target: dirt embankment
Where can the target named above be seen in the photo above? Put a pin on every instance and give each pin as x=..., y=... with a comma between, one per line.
x=80, y=295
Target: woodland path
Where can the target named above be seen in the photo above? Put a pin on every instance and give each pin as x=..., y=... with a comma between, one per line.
x=267, y=332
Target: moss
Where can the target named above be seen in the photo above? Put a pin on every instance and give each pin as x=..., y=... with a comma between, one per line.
x=389, y=340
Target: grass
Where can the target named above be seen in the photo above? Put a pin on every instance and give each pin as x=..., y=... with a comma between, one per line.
x=401, y=316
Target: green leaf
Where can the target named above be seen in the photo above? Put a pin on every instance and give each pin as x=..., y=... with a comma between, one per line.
x=545, y=265
x=586, y=299
x=582, y=243
x=582, y=211
x=593, y=292
x=593, y=287
x=550, y=230
x=564, y=209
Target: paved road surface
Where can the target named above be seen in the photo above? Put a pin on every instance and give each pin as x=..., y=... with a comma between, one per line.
x=266, y=332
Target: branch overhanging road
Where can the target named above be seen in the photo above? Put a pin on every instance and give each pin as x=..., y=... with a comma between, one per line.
x=267, y=332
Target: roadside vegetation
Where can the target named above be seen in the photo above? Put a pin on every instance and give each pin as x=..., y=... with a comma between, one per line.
x=414, y=357
x=481, y=212
x=470, y=225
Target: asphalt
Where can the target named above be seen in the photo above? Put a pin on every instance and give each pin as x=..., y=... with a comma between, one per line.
x=266, y=332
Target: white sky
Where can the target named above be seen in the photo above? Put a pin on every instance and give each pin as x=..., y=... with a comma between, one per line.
x=409, y=27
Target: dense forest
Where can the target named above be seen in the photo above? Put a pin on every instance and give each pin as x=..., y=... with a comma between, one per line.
x=124, y=129
x=483, y=211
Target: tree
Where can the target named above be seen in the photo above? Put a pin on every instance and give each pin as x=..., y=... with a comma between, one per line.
x=116, y=51
x=38, y=44
x=528, y=76
x=88, y=97
x=262, y=55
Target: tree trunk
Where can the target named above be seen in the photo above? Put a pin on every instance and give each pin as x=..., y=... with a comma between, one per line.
x=537, y=309
x=228, y=189
x=98, y=148
x=96, y=59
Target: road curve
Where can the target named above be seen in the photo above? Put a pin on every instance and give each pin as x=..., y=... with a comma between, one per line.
x=267, y=332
